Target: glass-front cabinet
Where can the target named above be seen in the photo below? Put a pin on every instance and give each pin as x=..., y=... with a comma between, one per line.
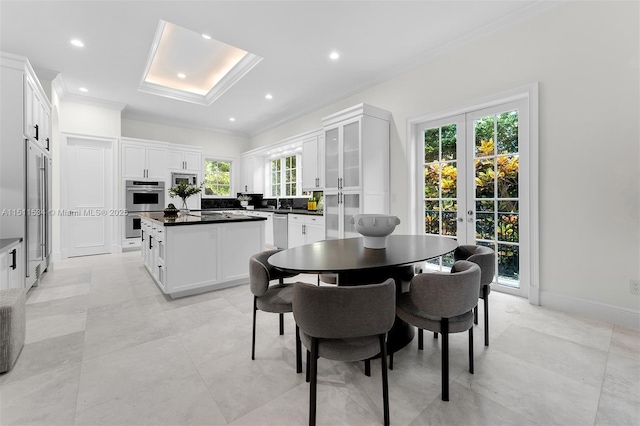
x=356, y=167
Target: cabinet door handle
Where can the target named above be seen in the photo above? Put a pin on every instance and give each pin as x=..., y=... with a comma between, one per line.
x=13, y=259
x=150, y=244
x=142, y=235
x=47, y=144
x=37, y=131
x=303, y=229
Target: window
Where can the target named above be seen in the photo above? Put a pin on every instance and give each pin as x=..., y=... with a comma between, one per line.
x=217, y=178
x=284, y=177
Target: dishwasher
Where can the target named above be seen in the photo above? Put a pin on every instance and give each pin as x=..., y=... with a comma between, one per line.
x=281, y=230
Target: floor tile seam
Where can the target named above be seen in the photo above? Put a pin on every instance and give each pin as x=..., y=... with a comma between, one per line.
x=576, y=382
x=470, y=388
x=204, y=382
x=565, y=339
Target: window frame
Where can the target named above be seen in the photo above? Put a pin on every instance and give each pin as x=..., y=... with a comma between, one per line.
x=283, y=183
x=231, y=176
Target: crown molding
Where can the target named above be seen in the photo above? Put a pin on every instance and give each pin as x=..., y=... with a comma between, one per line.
x=63, y=94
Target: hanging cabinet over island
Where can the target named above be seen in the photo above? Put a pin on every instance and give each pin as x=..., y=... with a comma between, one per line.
x=201, y=251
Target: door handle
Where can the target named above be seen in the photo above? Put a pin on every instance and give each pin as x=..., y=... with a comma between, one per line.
x=37, y=131
x=150, y=244
x=13, y=259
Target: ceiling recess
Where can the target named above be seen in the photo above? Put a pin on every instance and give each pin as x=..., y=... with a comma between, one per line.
x=211, y=67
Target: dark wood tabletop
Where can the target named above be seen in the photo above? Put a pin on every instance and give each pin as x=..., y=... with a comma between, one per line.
x=341, y=255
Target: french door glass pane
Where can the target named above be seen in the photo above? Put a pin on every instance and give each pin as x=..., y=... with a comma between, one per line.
x=496, y=177
x=441, y=185
x=332, y=216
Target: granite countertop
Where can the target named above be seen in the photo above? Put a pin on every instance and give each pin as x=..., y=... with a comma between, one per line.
x=7, y=243
x=292, y=211
x=199, y=218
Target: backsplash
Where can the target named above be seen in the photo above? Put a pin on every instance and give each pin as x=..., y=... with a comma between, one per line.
x=219, y=203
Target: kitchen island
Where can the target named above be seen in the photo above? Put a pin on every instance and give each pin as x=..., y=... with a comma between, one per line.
x=199, y=251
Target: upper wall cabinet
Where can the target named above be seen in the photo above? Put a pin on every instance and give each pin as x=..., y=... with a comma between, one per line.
x=143, y=160
x=37, y=113
x=185, y=159
x=251, y=174
x=313, y=163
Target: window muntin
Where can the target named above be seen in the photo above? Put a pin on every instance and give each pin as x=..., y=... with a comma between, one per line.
x=217, y=178
x=284, y=176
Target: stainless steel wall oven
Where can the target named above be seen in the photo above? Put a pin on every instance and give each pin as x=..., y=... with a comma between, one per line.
x=141, y=196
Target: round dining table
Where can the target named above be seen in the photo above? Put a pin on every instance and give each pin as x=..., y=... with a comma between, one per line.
x=356, y=265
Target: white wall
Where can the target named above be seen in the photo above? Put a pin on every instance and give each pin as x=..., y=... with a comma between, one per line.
x=585, y=57
x=214, y=144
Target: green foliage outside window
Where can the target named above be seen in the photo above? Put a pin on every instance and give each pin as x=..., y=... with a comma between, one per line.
x=217, y=178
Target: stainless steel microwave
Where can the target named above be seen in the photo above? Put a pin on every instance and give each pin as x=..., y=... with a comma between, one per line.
x=190, y=178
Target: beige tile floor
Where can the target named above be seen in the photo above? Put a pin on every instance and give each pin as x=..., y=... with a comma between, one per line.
x=104, y=346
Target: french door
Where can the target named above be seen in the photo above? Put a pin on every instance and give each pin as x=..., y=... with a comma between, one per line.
x=475, y=186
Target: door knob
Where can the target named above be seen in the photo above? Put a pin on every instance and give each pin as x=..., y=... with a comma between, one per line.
x=460, y=220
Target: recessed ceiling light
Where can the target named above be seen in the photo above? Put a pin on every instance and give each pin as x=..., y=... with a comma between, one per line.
x=269, y=96
x=83, y=89
x=181, y=75
x=334, y=55
x=206, y=36
x=232, y=119
x=77, y=43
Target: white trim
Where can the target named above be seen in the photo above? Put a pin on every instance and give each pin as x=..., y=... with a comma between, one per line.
x=590, y=309
x=293, y=140
x=233, y=162
x=529, y=93
x=59, y=86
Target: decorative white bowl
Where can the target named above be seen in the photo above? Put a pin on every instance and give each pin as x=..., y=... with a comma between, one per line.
x=375, y=228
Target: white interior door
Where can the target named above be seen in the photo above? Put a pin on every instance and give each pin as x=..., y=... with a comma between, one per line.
x=89, y=195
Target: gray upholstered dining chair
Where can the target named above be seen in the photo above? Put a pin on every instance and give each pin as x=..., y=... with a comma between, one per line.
x=443, y=303
x=344, y=324
x=485, y=258
x=271, y=298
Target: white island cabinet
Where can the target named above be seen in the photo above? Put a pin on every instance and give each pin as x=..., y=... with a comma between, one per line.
x=199, y=252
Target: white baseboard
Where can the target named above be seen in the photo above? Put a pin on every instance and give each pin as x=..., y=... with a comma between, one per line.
x=595, y=310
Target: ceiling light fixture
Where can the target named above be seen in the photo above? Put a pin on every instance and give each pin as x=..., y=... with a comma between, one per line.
x=77, y=43
x=181, y=75
x=334, y=55
x=206, y=36
x=232, y=119
x=83, y=89
x=269, y=96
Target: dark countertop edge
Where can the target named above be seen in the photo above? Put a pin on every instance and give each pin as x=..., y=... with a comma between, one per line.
x=7, y=243
x=206, y=222
x=279, y=211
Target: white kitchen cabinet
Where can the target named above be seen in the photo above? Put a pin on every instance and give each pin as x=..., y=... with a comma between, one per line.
x=185, y=160
x=356, y=166
x=251, y=174
x=191, y=259
x=143, y=160
x=37, y=113
x=313, y=163
x=11, y=270
x=25, y=166
x=268, y=225
x=305, y=229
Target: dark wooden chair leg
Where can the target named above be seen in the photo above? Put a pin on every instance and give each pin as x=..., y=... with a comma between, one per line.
x=445, y=358
x=281, y=324
x=475, y=315
x=298, y=351
x=435, y=335
x=367, y=367
x=471, y=350
x=314, y=381
x=420, y=339
x=308, y=366
x=385, y=381
x=485, y=291
x=391, y=361
x=253, y=337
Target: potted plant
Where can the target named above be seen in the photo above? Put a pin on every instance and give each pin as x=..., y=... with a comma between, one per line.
x=244, y=200
x=184, y=190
